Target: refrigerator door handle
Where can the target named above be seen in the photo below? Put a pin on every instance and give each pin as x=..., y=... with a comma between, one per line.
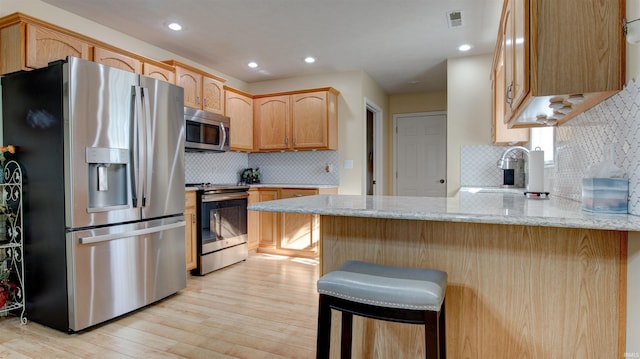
x=137, y=232
x=146, y=131
x=135, y=153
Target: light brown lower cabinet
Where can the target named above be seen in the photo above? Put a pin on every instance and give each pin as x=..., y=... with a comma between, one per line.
x=291, y=234
x=190, y=228
x=263, y=226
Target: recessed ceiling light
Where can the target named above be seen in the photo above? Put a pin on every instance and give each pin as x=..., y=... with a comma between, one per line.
x=309, y=60
x=464, y=47
x=252, y=64
x=175, y=26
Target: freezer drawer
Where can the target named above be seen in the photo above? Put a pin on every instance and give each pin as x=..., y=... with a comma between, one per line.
x=117, y=269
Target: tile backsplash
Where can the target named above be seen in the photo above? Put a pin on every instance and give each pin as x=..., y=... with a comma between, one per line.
x=306, y=167
x=580, y=143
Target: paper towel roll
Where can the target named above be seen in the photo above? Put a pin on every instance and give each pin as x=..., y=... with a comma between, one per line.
x=536, y=171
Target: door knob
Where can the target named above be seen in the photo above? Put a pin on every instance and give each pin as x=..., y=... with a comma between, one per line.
x=441, y=181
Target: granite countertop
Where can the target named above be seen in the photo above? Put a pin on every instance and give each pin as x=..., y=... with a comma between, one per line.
x=291, y=185
x=492, y=207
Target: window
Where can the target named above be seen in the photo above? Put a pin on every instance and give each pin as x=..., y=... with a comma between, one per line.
x=545, y=138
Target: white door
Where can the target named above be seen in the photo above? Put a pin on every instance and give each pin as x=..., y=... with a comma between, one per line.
x=421, y=154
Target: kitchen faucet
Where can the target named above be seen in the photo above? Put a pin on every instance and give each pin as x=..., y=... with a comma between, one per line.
x=514, y=168
x=501, y=162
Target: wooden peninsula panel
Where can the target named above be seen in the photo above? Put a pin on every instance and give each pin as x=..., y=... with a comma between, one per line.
x=514, y=291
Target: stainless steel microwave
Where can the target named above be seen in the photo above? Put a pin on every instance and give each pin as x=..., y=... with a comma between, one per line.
x=206, y=131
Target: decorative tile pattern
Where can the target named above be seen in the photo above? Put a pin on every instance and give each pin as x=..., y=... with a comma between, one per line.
x=223, y=167
x=278, y=168
x=580, y=143
x=305, y=167
x=478, y=166
x=583, y=141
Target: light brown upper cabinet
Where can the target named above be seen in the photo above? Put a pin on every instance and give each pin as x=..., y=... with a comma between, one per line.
x=159, y=71
x=117, y=60
x=561, y=57
x=238, y=106
x=500, y=133
x=26, y=43
x=202, y=90
x=299, y=120
x=272, y=117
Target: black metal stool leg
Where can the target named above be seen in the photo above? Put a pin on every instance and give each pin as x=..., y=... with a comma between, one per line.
x=324, y=329
x=442, y=333
x=345, y=342
x=431, y=339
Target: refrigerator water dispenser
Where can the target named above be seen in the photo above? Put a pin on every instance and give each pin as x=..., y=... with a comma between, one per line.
x=107, y=178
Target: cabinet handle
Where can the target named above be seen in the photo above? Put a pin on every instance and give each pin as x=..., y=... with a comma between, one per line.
x=197, y=100
x=206, y=103
x=286, y=140
x=508, y=98
x=193, y=218
x=298, y=195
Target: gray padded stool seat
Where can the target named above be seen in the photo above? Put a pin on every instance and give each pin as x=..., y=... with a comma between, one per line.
x=399, y=294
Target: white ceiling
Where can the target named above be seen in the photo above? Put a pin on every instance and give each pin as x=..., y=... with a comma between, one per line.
x=402, y=44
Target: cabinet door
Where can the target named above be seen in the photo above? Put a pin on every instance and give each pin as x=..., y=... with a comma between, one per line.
x=297, y=229
x=117, y=60
x=212, y=95
x=309, y=125
x=158, y=73
x=190, y=229
x=192, y=83
x=239, y=108
x=46, y=45
x=253, y=221
x=520, y=40
x=269, y=229
x=508, y=61
x=272, y=122
x=501, y=134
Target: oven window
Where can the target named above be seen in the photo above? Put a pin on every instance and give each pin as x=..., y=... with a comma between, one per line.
x=211, y=135
x=223, y=220
x=193, y=131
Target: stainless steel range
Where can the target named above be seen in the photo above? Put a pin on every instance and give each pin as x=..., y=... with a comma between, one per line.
x=222, y=226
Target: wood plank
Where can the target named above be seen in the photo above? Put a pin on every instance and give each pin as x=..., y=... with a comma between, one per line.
x=265, y=307
x=514, y=291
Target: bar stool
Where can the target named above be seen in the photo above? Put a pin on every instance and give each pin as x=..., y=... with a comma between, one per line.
x=398, y=294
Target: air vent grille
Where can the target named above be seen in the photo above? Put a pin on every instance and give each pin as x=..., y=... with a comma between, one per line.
x=454, y=18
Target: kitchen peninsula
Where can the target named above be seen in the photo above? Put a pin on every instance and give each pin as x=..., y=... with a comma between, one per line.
x=527, y=278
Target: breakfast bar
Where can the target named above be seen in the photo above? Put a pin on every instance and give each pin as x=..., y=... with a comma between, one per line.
x=528, y=278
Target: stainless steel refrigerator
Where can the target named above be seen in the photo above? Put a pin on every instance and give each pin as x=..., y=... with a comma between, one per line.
x=103, y=157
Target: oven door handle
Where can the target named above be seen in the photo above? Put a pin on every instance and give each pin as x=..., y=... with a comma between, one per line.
x=218, y=197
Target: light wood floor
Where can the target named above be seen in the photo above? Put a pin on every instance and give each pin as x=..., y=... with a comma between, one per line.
x=265, y=307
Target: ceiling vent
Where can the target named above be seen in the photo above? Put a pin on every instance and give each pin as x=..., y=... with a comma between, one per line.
x=454, y=18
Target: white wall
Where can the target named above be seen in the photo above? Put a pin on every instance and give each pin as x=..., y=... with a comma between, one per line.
x=354, y=86
x=468, y=110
